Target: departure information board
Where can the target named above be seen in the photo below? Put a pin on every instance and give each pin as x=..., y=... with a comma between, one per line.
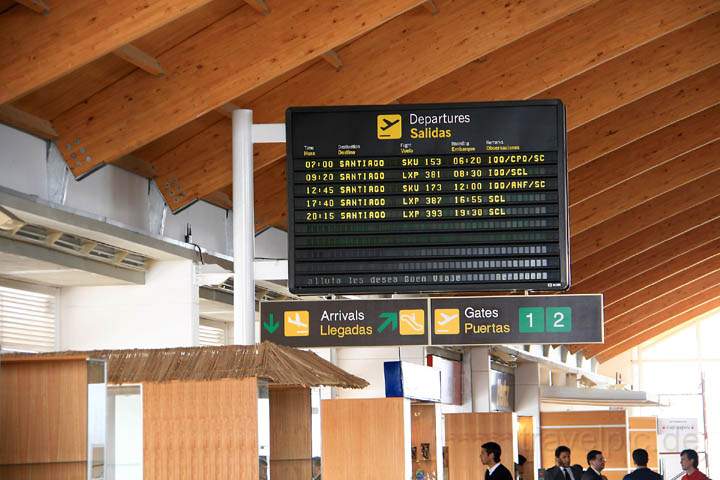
x=428, y=198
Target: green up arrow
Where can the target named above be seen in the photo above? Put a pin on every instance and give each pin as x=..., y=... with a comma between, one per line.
x=272, y=325
x=390, y=319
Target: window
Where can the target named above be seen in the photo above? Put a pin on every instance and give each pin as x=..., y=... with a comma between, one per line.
x=28, y=318
x=212, y=333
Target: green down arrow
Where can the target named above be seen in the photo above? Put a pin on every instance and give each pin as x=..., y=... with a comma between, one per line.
x=271, y=325
x=390, y=319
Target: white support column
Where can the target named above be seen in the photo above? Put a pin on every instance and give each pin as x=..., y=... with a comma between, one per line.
x=480, y=365
x=243, y=228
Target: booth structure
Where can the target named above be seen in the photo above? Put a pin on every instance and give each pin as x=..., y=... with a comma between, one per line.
x=51, y=417
x=198, y=411
x=613, y=432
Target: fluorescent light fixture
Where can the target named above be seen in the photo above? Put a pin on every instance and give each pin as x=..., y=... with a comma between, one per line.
x=8, y=221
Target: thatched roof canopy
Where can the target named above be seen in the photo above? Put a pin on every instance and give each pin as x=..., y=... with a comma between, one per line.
x=277, y=364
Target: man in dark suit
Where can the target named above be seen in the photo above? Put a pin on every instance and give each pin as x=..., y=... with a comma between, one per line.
x=596, y=463
x=562, y=469
x=642, y=472
x=490, y=457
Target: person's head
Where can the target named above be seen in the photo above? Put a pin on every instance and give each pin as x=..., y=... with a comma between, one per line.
x=562, y=456
x=596, y=460
x=640, y=457
x=490, y=453
x=689, y=459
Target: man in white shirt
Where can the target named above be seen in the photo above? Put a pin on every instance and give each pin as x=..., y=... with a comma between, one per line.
x=596, y=463
x=490, y=457
x=562, y=469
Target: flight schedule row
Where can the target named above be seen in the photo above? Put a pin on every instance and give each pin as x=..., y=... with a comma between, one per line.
x=426, y=161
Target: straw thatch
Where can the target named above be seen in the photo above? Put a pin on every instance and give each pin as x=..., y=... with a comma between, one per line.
x=277, y=364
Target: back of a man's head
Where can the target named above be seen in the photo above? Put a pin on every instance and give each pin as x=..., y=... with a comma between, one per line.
x=494, y=449
x=640, y=457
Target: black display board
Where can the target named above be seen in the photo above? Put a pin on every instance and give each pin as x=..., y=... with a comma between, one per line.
x=531, y=319
x=516, y=319
x=428, y=198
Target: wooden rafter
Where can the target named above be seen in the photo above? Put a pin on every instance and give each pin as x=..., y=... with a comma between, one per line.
x=430, y=6
x=140, y=59
x=227, y=59
x=38, y=6
x=26, y=122
x=38, y=50
x=314, y=86
x=226, y=109
x=696, y=311
x=556, y=48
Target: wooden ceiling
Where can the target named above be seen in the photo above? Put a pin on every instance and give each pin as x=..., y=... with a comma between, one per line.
x=147, y=86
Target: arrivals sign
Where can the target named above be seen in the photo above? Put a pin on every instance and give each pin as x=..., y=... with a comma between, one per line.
x=538, y=319
x=428, y=198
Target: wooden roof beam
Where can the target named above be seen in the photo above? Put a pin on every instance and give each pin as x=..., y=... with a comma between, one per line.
x=261, y=6
x=695, y=313
x=37, y=50
x=363, y=61
x=669, y=304
x=226, y=109
x=684, y=299
x=140, y=59
x=644, y=215
x=634, y=266
x=655, y=172
x=227, y=59
x=26, y=122
x=38, y=6
x=502, y=73
x=645, y=239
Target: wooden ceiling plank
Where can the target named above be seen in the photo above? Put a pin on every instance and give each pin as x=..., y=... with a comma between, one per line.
x=624, y=289
x=212, y=67
x=38, y=6
x=641, y=156
x=226, y=109
x=26, y=122
x=69, y=90
x=675, y=304
x=643, y=303
x=699, y=311
x=648, y=184
x=644, y=70
x=559, y=53
x=645, y=239
x=430, y=6
x=37, y=50
x=140, y=59
x=643, y=216
x=634, y=266
x=564, y=49
x=643, y=117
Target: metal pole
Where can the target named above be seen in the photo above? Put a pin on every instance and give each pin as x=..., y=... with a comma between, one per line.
x=243, y=228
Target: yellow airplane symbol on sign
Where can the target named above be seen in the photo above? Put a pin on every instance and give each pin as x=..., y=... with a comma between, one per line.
x=389, y=127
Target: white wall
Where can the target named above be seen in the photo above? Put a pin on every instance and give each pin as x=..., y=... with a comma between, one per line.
x=118, y=195
x=368, y=363
x=162, y=313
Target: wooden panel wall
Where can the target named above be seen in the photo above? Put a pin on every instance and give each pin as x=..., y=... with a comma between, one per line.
x=584, y=431
x=363, y=438
x=643, y=434
x=465, y=432
x=423, y=430
x=43, y=419
x=526, y=445
x=200, y=429
x=290, y=434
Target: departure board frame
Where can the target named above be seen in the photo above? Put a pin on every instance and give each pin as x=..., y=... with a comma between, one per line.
x=528, y=250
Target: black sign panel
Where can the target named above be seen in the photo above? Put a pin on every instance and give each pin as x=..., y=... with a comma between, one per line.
x=345, y=323
x=413, y=198
x=544, y=319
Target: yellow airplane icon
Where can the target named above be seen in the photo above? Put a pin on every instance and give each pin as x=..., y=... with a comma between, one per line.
x=389, y=127
x=297, y=323
x=447, y=321
x=412, y=322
